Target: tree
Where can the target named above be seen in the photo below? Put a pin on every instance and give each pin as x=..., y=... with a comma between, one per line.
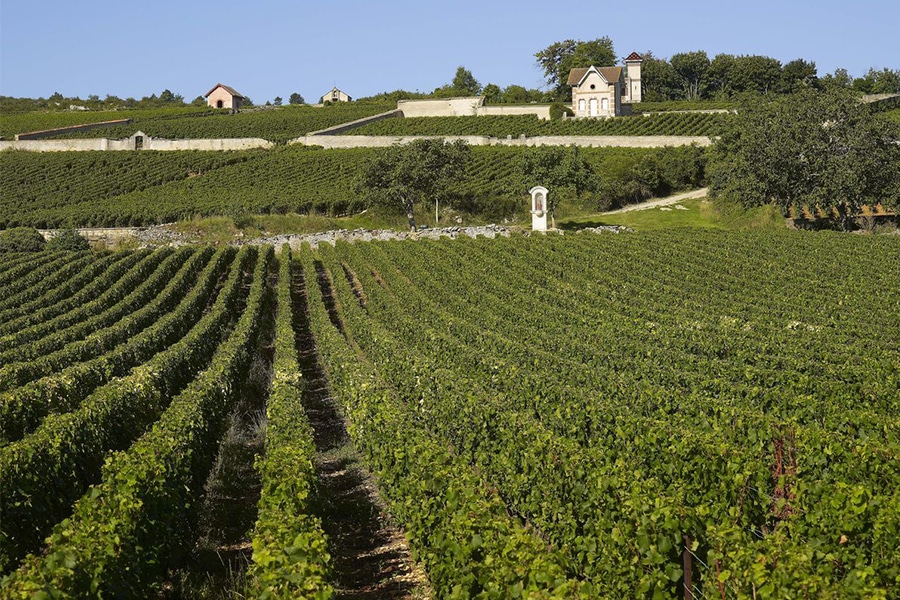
x=21, y=239
x=797, y=74
x=296, y=98
x=719, y=75
x=404, y=175
x=562, y=170
x=755, y=74
x=878, y=82
x=491, y=93
x=557, y=59
x=692, y=68
x=68, y=239
x=659, y=80
x=808, y=149
x=277, y=101
x=464, y=83
x=838, y=80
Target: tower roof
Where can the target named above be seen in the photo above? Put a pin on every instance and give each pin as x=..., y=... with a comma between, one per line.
x=634, y=56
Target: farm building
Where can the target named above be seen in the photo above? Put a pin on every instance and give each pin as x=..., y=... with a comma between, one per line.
x=335, y=95
x=222, y=96
x=601, y=91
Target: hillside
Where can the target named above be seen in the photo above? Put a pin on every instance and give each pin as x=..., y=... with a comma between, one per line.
x=276, y=124
x=145, y=188
x=724, y=402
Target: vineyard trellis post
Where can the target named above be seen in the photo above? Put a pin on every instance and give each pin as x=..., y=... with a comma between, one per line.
x=688, y=568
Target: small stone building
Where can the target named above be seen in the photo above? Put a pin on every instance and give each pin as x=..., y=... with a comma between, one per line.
x=335, y=95
x=601, y=91
x=223, y=96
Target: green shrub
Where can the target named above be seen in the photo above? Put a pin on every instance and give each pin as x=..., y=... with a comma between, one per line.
x=558, y=110
x=68, y=239
x=21, y=239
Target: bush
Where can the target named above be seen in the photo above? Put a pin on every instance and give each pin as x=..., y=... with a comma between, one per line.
x=558, y=110
x=21, y=239
x=68, y=239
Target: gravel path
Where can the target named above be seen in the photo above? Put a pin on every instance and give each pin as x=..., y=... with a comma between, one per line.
x=701, y=193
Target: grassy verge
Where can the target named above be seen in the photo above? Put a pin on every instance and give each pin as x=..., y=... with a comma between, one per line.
x=694, y=213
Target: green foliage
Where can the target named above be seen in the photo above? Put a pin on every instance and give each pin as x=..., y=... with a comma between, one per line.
x=68, y=239
x=456, y=521
x=561, y=170
x=558, y=110
x=48, y=469
x=123, y=534
x=296, y=98
x=687, y=124
x=705, y=394
x=823, y=150
x=464, y=83
x=83, y=189
x=277, y=125
x=290, y=557
x=557, y=59
x=21, y=239
x=692, y=68
x=404, y=175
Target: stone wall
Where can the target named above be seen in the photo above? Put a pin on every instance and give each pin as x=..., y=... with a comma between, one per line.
x=88, y=145
x=645, y=141
x=445, y=107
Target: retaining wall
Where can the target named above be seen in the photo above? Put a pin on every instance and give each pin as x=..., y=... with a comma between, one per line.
x=622, y=141
x=444, y=107
x=100, y=144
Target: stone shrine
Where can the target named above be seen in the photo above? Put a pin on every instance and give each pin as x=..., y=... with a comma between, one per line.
x=538, y=208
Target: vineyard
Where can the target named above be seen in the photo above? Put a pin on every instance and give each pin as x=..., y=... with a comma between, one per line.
x=278, y=125
x=670, y=123
x=100, y=189
x=561, y=416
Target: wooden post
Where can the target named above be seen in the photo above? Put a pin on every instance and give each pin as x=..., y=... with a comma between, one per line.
x=688, y=583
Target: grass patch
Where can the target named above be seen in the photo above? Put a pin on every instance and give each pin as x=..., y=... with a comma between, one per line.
x=698, y=213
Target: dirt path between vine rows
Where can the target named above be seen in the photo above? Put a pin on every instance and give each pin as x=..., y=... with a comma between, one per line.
x=667, y=201
x=370, y=555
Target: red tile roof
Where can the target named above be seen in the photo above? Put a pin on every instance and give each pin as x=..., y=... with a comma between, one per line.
x=230, y=90
x=634, y=56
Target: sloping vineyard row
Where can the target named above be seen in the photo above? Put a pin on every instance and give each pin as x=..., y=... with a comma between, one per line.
x=274, y=124
x=78, y=189
x=278, y=125
x=577, y=451
x=688, y=124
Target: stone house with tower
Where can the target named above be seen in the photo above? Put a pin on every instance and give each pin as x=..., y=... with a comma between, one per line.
x=602, y=91
x=222, y=96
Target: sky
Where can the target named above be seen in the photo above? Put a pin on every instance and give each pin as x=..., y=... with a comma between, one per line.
x=269, y=48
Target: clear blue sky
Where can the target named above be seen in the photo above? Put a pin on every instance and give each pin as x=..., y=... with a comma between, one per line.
x=268, y=48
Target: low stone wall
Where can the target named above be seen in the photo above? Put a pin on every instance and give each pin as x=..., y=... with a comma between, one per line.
x=102, y=144
x=109, y=235
x=621, y=141
x=444, y=107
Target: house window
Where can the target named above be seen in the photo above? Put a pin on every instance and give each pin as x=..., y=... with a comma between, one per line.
x=605, y=104
x=593, y=87
x=581, y=105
